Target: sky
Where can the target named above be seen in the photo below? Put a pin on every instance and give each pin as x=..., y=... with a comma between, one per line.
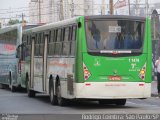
x=10, y=6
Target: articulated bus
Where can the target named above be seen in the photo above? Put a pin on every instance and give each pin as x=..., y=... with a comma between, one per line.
x=11, y=59
x=103, y=58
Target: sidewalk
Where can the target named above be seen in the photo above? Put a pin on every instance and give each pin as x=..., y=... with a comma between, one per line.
x=154, y=92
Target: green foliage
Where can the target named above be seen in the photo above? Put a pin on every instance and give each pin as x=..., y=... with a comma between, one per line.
x=12, y=22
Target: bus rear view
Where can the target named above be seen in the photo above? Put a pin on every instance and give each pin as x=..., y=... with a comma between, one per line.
x=116, y=54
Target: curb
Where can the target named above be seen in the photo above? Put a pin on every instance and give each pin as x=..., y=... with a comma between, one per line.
x=154, y=95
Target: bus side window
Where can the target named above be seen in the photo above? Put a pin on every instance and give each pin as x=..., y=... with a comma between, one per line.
x=18, y=52
x=55, y=35
x=51, y=45
x=23, y=52
x=28, y=47
x=58, y=43
x=41, y=43
x=59, y=35
x=36, y=46
x=66, y=42
x=73, y=39
x=49, y=42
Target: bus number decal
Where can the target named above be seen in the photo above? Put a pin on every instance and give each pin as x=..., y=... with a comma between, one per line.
x=134, y=60
x=133, y=64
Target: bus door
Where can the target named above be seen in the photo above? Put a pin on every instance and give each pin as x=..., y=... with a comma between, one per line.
x=31, y=82
x=46, y=37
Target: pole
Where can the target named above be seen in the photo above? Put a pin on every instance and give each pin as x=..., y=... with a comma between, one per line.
x=103, y=7
x=111, y=6
x=39, y=11
x=23, y=19
x=92, y=8
x=129, y=9
x=61, y=10
x=154, y=28
x=72, y=9
x=146, y=3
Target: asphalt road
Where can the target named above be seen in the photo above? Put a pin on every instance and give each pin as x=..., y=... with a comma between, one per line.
x=19, y=103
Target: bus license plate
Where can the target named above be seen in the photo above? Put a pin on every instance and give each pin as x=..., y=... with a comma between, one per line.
x=114, y=78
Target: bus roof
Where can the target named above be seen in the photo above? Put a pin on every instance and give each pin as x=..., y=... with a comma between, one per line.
x=18, y=26
x=9, y=28
x=115, y=17
x=73, y=20
x=51, y=25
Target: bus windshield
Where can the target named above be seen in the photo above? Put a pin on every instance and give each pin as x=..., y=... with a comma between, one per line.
x=8, y=41
x=119, y=35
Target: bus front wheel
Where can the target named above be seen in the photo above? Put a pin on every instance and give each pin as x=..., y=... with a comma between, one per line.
x=2, y=86
x=31, y=93
x=12, y=87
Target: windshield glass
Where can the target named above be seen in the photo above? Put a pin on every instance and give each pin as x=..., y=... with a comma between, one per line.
x=114, y=34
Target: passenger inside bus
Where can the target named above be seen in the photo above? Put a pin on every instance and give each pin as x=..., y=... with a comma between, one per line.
x=136, y=42
x=95, y=34
x=119, y=42
x=128, y=40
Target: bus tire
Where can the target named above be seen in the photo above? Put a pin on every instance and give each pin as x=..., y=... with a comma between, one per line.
x=12, y=87
x=31, y=93
x=102, y=102
x=2, y=86
x=53, y=98
x=120, y=102
x=60, y=99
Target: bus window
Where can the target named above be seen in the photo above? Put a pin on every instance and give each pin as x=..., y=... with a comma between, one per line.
x=59, y=35
x=52, y=35
x=41, y=44
x=74, y=33
x=70, y=33
x=114, y=34
x=73, y=36
x=55, y=37
x=36, y=46
x=66, y=43
x=23, y=52
x=63, y=34
x=72, y=48
x=51, y=47
x=51, y=42
x=66, y=35
x=58, y=48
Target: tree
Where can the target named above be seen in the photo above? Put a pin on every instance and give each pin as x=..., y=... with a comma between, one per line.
x=12, y=22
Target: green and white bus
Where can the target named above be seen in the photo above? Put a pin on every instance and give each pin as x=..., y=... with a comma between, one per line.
x=103, y=58
x=11, y=57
